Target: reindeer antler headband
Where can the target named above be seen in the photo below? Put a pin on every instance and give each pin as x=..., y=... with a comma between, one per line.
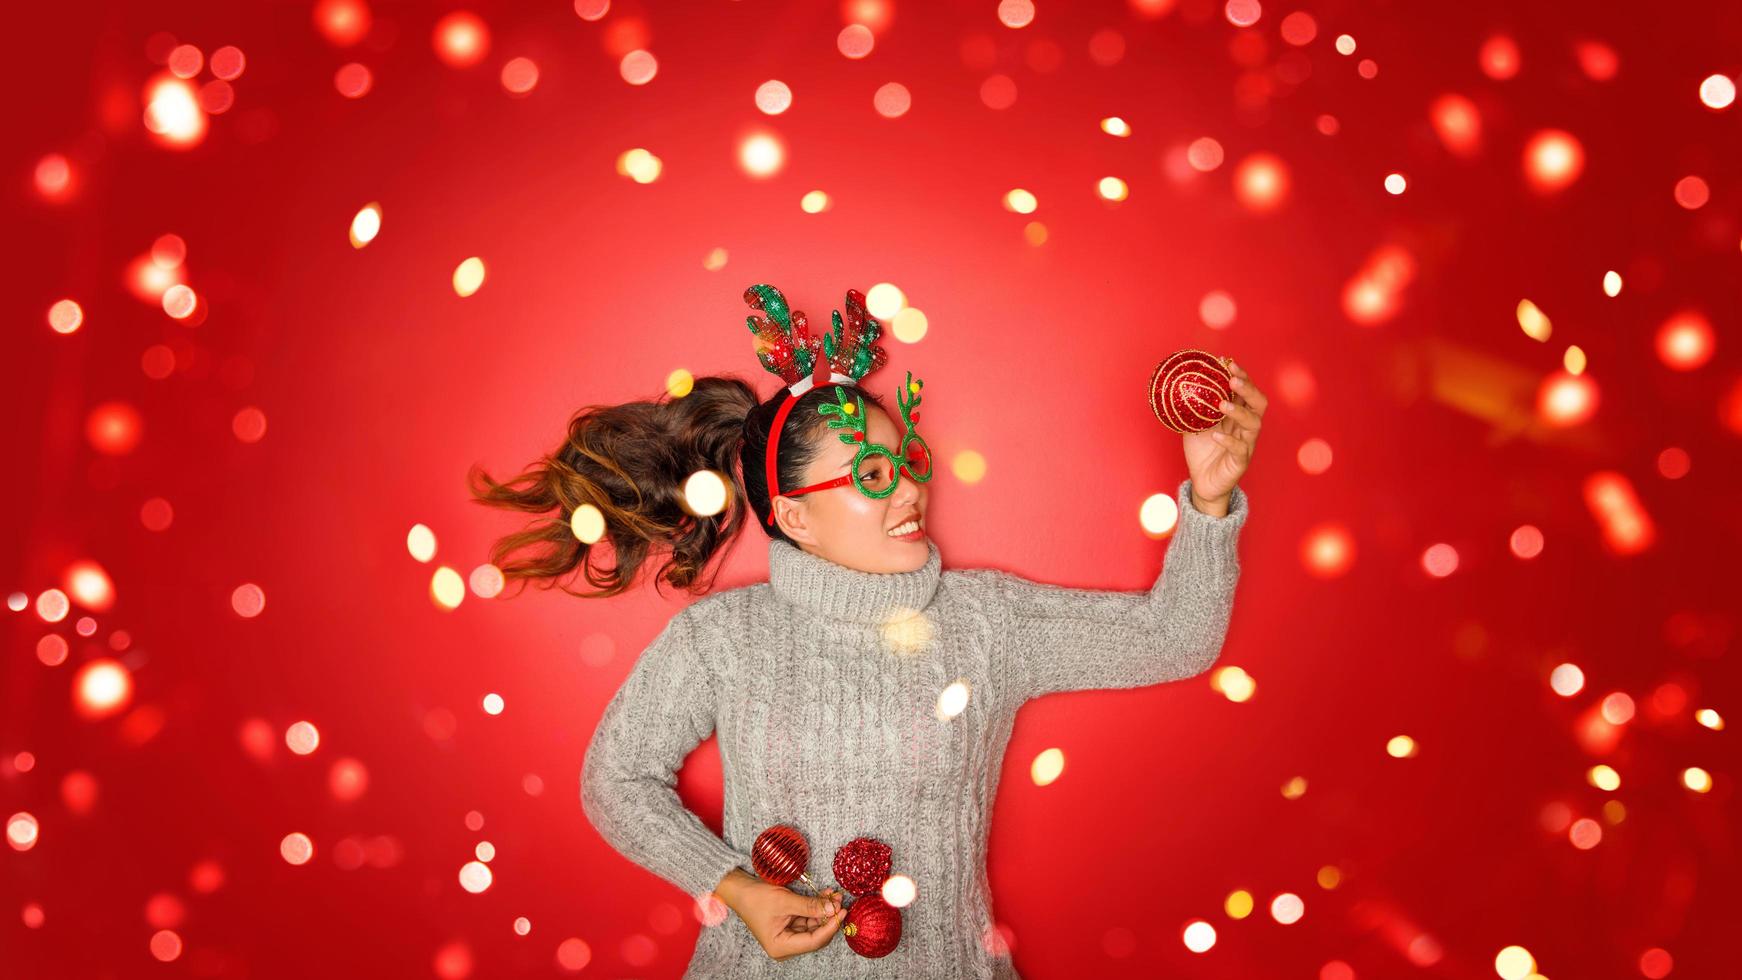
x=786, y=348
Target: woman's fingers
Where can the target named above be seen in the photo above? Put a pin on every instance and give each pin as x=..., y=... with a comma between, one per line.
x=1246, y=418
x=1244, y=388
x=817, y=938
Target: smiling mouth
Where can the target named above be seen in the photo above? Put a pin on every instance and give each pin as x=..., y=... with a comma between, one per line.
x=908, y=529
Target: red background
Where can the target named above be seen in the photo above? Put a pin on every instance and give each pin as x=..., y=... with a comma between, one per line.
x=381, y=387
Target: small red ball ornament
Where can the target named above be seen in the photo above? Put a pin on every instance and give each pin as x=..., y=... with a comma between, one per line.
x=873, y=926
x=780, y=855
x=862, y=865
x=1185, y=388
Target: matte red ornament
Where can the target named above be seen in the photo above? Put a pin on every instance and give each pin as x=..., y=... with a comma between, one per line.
x=1185, y=388
x=862, y=865
x=873, y=926
x=780, y=855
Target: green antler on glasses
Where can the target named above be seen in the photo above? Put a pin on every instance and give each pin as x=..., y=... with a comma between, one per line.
x=849, y=416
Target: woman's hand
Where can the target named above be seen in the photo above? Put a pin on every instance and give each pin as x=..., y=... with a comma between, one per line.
x=783, y=921
x=1218, y=456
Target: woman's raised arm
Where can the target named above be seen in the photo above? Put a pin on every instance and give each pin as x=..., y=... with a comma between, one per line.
x=1064, y=639
x=629, y=779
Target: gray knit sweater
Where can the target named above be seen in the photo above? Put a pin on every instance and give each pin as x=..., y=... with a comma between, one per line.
x=823, y=684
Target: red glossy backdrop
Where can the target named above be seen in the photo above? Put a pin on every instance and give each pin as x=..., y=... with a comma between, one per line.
x=1455, y=494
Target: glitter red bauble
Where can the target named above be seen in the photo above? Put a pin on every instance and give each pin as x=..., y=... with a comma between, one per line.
x=873, y=926
x=1185, y=388
x=780, y=855
x=862, y=865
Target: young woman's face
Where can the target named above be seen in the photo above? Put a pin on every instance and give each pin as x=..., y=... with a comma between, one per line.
x=847, y=527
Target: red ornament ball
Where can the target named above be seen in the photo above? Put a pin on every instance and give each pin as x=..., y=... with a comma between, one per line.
x=862, y=865
x=1185, y=388
x=780, y=855
x=873, y=926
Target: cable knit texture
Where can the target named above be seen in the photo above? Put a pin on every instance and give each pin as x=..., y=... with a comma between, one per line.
x=823, y=684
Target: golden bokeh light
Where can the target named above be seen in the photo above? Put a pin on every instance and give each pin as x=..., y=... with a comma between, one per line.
x=899, y=891
x=954, y=699
x=65, y=316
x=762, y=155
x=420, y=541
x=1287, y=908
x=1514, y=963
x=493, y=704
x=446, y=588
x=22, y=831
x=365, y=224
x=1295, y=788
x=968, y=466
x=1238, y=904
x=475, y=876
x=101, y=688
x=884, y=300
x=179, y=301
x=296, y=848
x=1047, y=767
x=1553, y=160
x=1020, y=201
x=706, y=493
x=1158, y=514
x=461, y=39
x=1034, y=233
x=715, y=260
x=1115, y=126
x=173, y=113
x=1717, y=91
x=1261, y=182
x=486, y=581
x=1199, y=936
x=1574, y=360
x=855, y=41
x=302, y=738
x=1234, y=683
x=1710, y=718
x=773, y=97
x=640, y=165
x=588, y=523
x=1604, y=778
x=1611, y=283
x=679, y=383
x=1015, y=14
x=638, y=67
x=815, y=202
x=910, y=325
x=469, y=276
x=1204, y=154
x=1401, y=747
x=1112, y=189
x=892, y=100
x=1697, y=779
x=1566, y=680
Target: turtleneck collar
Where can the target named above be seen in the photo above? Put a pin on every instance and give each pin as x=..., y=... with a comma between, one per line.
x=834, y=591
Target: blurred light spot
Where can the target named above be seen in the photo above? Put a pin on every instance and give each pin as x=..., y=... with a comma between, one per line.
x=1395, y=183
x=1216, y=309
x=1618, y=708
x=248, y=600
x=1553, y=160
x=421, y=542
x=892, y=100
x=1047, y=767
x=638, y=67
x=353, y=81
x=573, y=954
x=1015, y=13
x=533, y=784
x=186, y=61
x=173, y=113
x=296, y=848
x=1710, y=718
x=52, y=605
x=1566, y=400
x=90, y=585
x=954, y=699
x=342, y=22
x=910, y=325
x=814, y=202
x=1574, y=360
x=1457, y=123
x=1020, y=201
x=1199, y=936
x=347, y=780
x=217, y=96
x=900, y=891
x=1533, y=321
x=1204, y=154
x=1034, y=233
x=32, y=915
x=1514, y=963
x=1656, y=963
x=469, y=276
x=1673, y=463
x=1526, y=541
x=493, y=704
x=1329, y=877
x=1697, y=779
x=761, y=155
x=453, y=961
x=968, y=466
x=461, y=39
x=249, y=425
x=228, y=62
x=1598, y=60
x=21, y=831
x=180, y=301
x=1498, y=57
x=65, y=316
x=1692, y=193
x=1287, y=908
x=679, y=383
x=1242, y=13
x=998, y=92
x=54, y=175
x=164, y=911
x=1440, y=560
x=165, y=945
x=101, y=688
x=1604, y=778
x=1314, y=457
x=1234, y=683
x=855, y=41
x=257, y=739
x=640, y=165
x=591, y=10
x=1115, y=126
x=519, y=75
x=114, y=428
x=773, y=97
x=365, y=225
x=475, y=876
x=302, y=738
x=1261, y=182
x=1112, y=189
x=156, y=514
x=1294, y=789
x=1158, y=514
x=1717, y=91
x=522, y=926
x=1401, y=747
x=1345, y=45
x=1627, y=527
x=486, y=581
x=1299, y=28
x=587, y=523
x=1238, y=904
x=474, y=821
x=1685, y=341
x=1611, y=283
x=447, y=588
x=884, y=300
x=1328, y=551
x=485, y=851
x=1368, y=68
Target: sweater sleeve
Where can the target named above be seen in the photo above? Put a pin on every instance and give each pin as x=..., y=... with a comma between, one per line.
x=629, y=778
x=1063, y=639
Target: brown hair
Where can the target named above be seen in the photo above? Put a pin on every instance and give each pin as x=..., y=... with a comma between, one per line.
x=631, y=462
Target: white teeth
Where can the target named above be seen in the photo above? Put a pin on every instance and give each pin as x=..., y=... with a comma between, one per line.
x=908, y=528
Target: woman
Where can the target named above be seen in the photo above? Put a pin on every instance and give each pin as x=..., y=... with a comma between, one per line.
x=826, y=684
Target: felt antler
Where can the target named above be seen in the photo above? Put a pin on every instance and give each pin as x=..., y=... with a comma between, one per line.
x=852, y=349
x=783, y=341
